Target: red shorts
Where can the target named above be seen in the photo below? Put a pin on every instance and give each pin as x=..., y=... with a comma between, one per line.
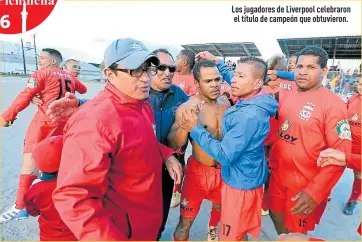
x=240, y=213
x=281, y=202
x=200, y=182
x=40, y=130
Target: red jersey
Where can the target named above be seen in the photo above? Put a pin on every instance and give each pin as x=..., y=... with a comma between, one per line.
x=106, y=185
x=284, y=89
x=186, y=83
x=38, y=201
x=354, y=117
x=226, y=88
x=51, y=83
x=78, y=86
x=310, y=122
x=353, y=161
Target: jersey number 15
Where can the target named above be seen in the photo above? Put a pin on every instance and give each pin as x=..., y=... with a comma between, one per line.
x=67, y=84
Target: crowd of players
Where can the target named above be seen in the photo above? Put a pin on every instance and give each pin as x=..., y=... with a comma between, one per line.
x=264, y=136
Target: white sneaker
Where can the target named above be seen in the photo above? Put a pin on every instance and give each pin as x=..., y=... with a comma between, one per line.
x=13, y=213
x=176, y=199
x=212, y=234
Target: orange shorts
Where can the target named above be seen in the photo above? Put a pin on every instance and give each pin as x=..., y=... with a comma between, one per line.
x=280, y=202
x=40, y=130
x=200, y=182
x=240, y=213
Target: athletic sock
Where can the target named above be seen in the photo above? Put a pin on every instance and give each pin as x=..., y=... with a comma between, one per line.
x=214, y=217
x=25, y=181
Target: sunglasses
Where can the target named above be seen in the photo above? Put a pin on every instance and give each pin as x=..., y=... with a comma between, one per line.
x=162, y=67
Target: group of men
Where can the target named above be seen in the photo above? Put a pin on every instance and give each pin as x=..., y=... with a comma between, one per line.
x=123, y=151
x=51, y=82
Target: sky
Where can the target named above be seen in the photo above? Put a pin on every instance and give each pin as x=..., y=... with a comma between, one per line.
x=84, y=29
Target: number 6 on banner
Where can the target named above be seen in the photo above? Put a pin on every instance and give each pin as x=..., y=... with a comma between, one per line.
x=4, y=22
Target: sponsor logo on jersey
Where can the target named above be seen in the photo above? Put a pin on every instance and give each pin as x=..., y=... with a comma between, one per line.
x=184, y=203
x=285, y=136
x=344, y=130
x=31, y=83
x=355, y=117
x=285, y=86
x=355, y=120
x=285, y=126
x=306, y=111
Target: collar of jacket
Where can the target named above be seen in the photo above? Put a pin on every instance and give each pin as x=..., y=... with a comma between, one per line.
x=121, y=97
x=48, y=176
x=170, y=90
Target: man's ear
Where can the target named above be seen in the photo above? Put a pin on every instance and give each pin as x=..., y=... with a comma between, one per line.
x=324, y=71
x=197, y=84
x=109, y=74
x=258, y=84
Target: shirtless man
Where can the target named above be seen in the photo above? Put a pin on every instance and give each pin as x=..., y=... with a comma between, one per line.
x=202, y=175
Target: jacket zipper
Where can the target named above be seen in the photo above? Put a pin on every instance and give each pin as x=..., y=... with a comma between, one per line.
x=161, y=108
x=129, y=226
x=163, y=100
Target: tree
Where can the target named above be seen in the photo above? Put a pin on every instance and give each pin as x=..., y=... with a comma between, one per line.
x=101, y=66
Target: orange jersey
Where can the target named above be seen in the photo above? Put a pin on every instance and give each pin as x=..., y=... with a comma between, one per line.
x=186, y=83
x=51, y=83
x=310, y=122
x=354, y=116
x=226, y=88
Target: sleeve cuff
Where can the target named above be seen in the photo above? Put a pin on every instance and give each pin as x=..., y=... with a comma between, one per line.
x=81, y=102
x=166, y=153
x=317, y=199
x=196, y=132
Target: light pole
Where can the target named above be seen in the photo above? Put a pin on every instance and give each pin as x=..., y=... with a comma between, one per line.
x=22, y=49
x=36, y=57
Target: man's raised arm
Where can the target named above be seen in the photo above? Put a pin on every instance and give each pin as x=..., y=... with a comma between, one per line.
x=177, y=136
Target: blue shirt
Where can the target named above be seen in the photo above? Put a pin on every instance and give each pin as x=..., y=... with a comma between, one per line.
x=241, y=150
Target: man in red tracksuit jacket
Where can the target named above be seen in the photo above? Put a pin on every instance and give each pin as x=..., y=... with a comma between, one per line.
x=111, y=160
x=39, y=200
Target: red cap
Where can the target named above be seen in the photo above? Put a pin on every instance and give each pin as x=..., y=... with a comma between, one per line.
x=47, y=154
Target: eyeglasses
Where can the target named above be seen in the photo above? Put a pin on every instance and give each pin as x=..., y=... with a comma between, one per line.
x=150, y=71
x=162, y=67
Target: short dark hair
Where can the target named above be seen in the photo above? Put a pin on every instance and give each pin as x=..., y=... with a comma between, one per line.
x=315, y=51
x=273, y=61
x=113, y=67
x=201, y=64
x=258, y=63
x=54, y=53
x=69, y=60
x=161, y=50
x=190, y=57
